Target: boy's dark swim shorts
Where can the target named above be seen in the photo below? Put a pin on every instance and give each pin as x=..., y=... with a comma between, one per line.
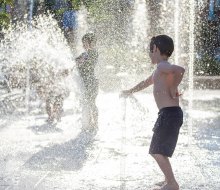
x=166, y=131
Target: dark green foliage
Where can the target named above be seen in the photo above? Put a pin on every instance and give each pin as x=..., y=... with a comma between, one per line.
x=207, y=66
x=4, y=20
x=6, y=2
x=207, y=42
x=4, y=16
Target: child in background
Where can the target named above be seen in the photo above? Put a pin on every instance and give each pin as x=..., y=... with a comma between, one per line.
x=86, y=63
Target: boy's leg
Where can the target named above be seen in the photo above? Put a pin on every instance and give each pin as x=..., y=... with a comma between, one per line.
x=58, y=107
x=94, y=113
x=93, y=110
x=86, y=116
x=49, y=111
x=166, y=131
x=166, y=168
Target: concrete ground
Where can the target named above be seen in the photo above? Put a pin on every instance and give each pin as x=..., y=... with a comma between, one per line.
x=36, y=156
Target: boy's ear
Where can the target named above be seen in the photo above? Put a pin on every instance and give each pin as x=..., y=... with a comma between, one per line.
x=155, y=48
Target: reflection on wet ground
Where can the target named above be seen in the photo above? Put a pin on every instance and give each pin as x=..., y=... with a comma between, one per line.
x=35, y=156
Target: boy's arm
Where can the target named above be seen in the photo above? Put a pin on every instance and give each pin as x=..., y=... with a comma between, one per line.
x=168, y=68
x=142, y=85
x=176, y=70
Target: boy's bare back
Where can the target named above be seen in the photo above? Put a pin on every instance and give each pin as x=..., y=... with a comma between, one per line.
x=163, y=86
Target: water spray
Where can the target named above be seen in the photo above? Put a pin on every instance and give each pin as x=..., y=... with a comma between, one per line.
x=176, y=31
x=27, y=95
x=123, y=145
x=191, y=63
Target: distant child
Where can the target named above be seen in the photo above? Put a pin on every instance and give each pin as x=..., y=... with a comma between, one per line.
x=166, y=79
x=58, y=91
x=51, y=88
x=86, y=64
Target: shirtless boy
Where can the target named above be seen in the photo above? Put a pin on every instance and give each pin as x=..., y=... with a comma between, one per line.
x=165, y=79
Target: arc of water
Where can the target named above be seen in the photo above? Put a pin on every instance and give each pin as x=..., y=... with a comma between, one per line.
x=27, y=95
x=82, y=29
x=199, y=161
x=191, y=62
x=123, y=144
x=30, y=16
x=139, y=22
x=176, y=30
x=139, y=105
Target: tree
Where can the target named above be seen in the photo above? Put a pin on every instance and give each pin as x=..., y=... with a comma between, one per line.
x=4, y=16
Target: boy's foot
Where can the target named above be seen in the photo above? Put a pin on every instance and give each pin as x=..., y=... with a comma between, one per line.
x=90, y=130
x=58, y=119
x=50, y=120
x=174, y=186
x=161, y=183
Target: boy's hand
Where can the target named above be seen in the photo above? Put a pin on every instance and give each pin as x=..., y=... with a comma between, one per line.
x=82, y=58
x=175, y=93
x=125, y=93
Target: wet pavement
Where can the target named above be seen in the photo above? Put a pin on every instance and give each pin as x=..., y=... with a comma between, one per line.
x=34, y=155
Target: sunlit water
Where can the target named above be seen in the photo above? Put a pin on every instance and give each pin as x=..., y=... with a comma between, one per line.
x=65, y=158
x=35, y=156
x=43, y=51
x=139, y=24
x=82, y=29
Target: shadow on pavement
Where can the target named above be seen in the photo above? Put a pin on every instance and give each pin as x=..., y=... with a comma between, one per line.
x=68, y=156
x=45, y=128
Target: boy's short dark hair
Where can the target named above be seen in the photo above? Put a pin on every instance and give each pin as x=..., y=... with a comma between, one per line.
x=164, y=43
x=90, y=38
